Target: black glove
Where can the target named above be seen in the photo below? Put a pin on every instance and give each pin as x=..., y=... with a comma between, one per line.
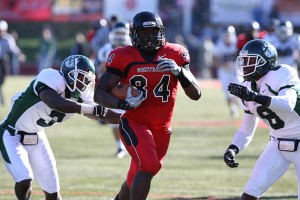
x=229, y=156
x=99, y=111
x=242, y=92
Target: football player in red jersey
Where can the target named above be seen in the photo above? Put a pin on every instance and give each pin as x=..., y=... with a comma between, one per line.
x=252, y=31
x=155, y=67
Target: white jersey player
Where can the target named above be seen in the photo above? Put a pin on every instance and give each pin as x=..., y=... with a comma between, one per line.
x=225, y=52
x=118, y=37
x=287, y=44
x=52, y=97
x=270, y=93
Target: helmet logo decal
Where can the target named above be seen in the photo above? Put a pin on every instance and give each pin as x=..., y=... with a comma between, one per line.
x=185, y=55
x=110, y=58
x=69, y=63
x=243, y=52
x=149, y=23
x=268, y=53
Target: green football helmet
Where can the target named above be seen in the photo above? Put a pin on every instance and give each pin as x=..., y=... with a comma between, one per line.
x=256, y=59
x=79, y=74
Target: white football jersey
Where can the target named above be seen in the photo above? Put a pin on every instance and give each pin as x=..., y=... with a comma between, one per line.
x=226, y=53
x=287, y=50
x=29, y=113
x=104, y=51
x=282, y=124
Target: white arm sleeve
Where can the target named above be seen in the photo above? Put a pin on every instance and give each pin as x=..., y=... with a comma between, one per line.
x=285, y=101
x=244, y=135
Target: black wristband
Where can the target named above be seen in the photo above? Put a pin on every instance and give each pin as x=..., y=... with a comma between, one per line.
x=234, y=148
x=123, y=105
x=263, y=100
x=183, y=79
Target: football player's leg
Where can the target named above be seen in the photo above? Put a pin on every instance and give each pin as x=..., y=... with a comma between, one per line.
x=142, y=179
x=124, y=193
x=15, y=158
x=23, y=189
x=2, y=77
x=270, y=166
x=141, y=185
x=53, y=196
x=44, y=168
x=162, y=141
x=296, y=163
x=121, y=151
x=247, y=197
x=140, y=144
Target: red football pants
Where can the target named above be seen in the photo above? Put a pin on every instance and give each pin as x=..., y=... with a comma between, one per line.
x=146, y=145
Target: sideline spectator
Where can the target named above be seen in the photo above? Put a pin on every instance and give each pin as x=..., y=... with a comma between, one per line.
x=79, y=48
x=47, y=51
x=101, y=37
x=16, y=59
x=8, y=47
x=90, y=34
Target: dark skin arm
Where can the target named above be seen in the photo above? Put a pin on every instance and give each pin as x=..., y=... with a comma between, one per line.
x=102, y=94
x=185, y=78
x=193, y=90
x=111, y=117
x=56, y=102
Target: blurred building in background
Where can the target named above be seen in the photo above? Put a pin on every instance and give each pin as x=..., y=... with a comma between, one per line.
x=198, y=22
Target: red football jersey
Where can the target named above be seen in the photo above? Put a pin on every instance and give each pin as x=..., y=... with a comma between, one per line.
x=242, y=39
x=160, y=88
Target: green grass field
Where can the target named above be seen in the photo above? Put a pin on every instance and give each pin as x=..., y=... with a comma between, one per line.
x=194, y=167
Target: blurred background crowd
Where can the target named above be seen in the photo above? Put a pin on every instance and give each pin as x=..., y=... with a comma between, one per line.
x=40, y=33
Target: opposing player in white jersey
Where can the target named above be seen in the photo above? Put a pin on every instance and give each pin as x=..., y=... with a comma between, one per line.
x=225, y=52
x=52, y=97
x=118, y=37
x=271, y=93
x=287, y=44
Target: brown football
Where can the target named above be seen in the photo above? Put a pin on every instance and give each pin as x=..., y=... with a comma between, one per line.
x=120, y=91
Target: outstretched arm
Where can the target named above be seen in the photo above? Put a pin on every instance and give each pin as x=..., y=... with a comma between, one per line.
x=111, y=117
x=52, y=99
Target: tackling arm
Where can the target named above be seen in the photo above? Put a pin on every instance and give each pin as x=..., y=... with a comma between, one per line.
x=111, y=117
x=56, y=102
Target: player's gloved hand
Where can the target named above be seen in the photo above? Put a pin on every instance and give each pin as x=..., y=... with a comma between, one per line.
x=99, y=111
x=229, y=156
x=131, y=102
x=166, y=64
x=242, y=92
